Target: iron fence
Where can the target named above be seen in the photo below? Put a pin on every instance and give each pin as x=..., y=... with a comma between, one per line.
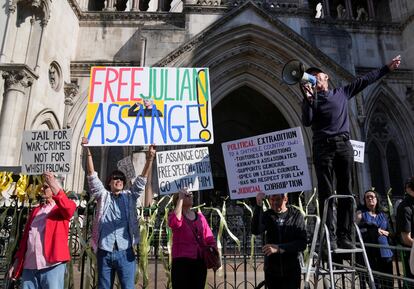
x=242, y=267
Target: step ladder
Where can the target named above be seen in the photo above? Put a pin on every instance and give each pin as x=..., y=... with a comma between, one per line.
x=325, y=241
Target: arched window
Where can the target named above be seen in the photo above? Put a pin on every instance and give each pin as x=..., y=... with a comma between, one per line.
x=375, y=165
x=394, y=170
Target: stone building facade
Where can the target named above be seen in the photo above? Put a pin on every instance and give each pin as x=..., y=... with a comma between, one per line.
x=48, y=47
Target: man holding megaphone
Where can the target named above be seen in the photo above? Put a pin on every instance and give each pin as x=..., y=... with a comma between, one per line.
x=326, y=111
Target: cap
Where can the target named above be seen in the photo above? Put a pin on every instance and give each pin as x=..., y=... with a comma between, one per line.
x=313, y=70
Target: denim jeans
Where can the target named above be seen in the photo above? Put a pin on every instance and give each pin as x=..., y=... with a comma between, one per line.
x=335, y=157
x=48, y=278
x=121, y=262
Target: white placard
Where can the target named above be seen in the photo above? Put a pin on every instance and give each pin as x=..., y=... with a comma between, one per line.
x=273, y=163
x=46, y=150
x=129, y=106
x=359, y=150
x=127, y=167
x=187, y=168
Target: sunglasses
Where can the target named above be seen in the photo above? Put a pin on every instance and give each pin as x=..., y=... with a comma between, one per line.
x=118, y=178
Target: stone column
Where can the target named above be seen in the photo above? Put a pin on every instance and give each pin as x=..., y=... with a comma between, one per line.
x=348, y=7
x=326, y=9
x=135, y=5
x=71, y=91
x=109, y=5
x=17, y=78
x=371, y=10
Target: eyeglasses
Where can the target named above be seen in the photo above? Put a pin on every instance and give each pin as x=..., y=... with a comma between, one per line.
x=118, y=178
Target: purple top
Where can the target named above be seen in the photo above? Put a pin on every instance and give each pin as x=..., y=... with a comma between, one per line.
x=330, y=116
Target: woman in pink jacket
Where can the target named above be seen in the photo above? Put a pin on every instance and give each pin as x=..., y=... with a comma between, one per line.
x=190, y=229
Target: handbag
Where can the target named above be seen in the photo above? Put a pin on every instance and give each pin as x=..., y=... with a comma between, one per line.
x=209, y=254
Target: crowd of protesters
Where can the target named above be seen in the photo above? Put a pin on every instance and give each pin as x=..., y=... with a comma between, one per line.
x=43, y=252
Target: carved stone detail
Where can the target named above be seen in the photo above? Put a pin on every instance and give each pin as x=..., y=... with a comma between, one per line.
x=17, y=76
x=55, y=76
x=12, y=6
x=16, y=79
x=39, y=7
x=71, y=91
x=379, y=127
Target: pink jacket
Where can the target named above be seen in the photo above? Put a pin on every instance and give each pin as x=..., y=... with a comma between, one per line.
x=184, y=242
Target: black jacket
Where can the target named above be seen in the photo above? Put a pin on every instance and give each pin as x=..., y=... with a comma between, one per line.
x=291, y=237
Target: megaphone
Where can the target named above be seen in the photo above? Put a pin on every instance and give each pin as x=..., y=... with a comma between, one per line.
x=294, y=72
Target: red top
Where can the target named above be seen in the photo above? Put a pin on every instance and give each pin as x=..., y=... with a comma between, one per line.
x=56, y=247
x=184, y=243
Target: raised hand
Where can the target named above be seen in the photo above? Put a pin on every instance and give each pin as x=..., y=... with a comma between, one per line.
x=395, y=63
x=259, y=198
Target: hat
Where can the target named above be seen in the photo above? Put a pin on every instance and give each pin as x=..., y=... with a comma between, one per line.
x=313, y=70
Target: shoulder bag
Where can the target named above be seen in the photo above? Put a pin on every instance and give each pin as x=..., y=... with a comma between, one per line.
x=210, y=254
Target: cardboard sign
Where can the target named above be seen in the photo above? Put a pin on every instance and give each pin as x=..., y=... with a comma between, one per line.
x=147, y=105
x=359, y=150
x=188, y=168
x=126, y=166
x=46, y=150
x=272, y=163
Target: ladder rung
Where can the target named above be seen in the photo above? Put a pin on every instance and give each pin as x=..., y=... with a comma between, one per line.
x=344, y=251
x=341, y=271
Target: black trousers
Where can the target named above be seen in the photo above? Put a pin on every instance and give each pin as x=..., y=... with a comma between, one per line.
x=335, y=157
x=289, y=281
x=188, y=273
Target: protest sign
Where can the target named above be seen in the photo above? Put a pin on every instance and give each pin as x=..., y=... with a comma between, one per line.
x=273, y=163
x=46, y=150
x=126, y=166
x=143, y=105
x=188, y=168
x=359, y=150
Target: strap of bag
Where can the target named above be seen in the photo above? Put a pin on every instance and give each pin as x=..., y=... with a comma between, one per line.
x=198, y=240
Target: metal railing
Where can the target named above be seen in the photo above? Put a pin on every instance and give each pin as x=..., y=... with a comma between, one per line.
x=241, y=269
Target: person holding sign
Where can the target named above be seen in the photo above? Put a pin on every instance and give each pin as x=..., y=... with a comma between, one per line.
x=189, y=229
x=326, y=110
x=285, y=238
x=43, y=250
x=115, y=227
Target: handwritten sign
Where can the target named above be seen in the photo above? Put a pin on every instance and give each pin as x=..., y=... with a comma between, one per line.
x=359, y=150
x=46, y=150
x=126, y=166
x=188, y=168
x=273, y=163
x=146, y=105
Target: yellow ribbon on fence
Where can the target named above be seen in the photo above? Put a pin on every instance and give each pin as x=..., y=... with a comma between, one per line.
x=21, y=187
x=6, y=180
